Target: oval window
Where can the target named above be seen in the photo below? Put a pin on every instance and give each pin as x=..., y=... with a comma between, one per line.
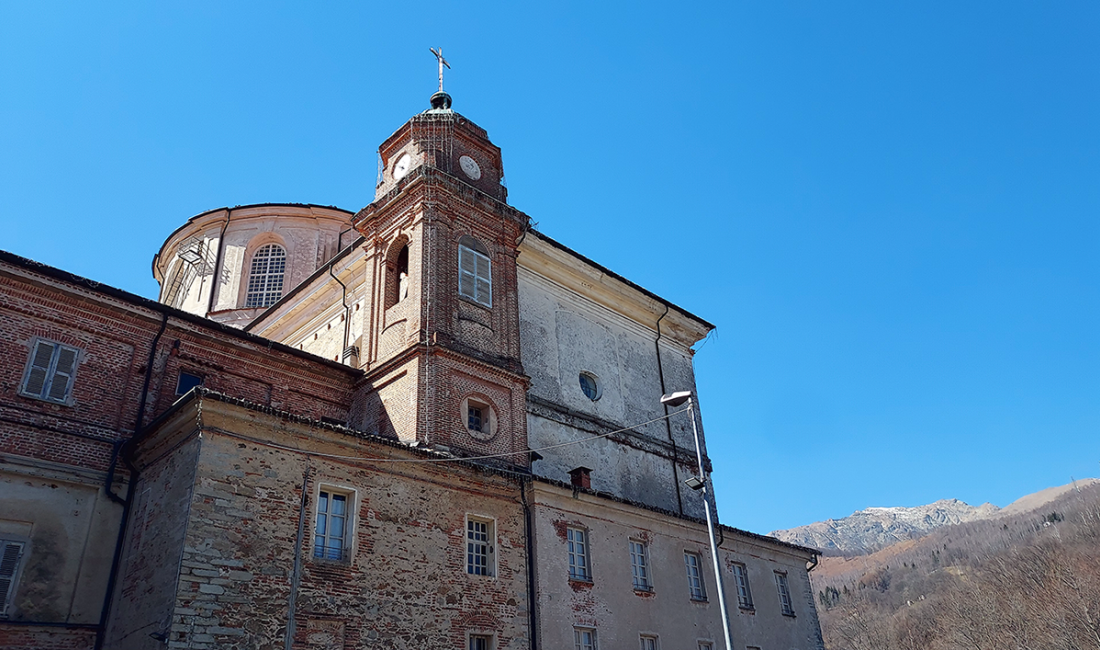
x=590, y=386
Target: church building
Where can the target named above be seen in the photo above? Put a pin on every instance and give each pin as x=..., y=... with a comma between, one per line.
x=422, y=424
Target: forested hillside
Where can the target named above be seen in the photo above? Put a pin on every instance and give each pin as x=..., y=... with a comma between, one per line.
x=1025, y=581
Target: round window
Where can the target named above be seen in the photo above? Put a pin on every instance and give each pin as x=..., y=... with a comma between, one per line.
x=590, y=386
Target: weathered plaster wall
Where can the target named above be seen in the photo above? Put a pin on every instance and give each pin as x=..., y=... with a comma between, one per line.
x=563, y=334
x=58, y=514
x=620, y=614
x=149, y=575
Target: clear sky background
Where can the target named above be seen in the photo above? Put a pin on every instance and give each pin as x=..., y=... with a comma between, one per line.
x=890, y=210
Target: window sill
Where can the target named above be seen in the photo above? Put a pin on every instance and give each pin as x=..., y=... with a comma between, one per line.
x=699, y=601
x=68, y=401
x=747, y=610
x=475, y=302
x=643, y=591
x=580, y=581
x=791, y=615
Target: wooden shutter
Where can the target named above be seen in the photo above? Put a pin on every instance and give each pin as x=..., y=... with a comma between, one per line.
x=40, y=369
x=62, y=374
x=10, y=553
x=484, y=281
x=467, y=272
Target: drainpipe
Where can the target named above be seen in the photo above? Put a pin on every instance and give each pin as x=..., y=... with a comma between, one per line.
x=668, y=421
x=347, y=312
x=529, y=534
x=296, y=576
x=218, y=261
x=128, y=502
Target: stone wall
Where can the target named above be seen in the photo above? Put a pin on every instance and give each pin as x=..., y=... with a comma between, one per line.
x=404, y=583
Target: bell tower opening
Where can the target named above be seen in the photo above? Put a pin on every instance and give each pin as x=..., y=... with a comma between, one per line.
x=397, y=272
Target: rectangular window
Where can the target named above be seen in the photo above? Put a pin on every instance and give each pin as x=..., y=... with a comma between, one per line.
x=50, y=371
x=479, y=547
x=11, y=552
x=577, y=539
x=707, y=645
x=639, y=565
x=741, y=579
x=585, y=638
x=784, y=593
x=186, y=381
x=695, y=576
x=648, y=642
x=474, y=418
x=481, y=642
x=330, y=534
x=475, y=275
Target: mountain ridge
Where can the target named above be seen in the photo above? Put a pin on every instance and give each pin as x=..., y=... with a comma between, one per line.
x=873, y=528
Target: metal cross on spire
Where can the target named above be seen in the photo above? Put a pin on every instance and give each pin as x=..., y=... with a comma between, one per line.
x=442, y=62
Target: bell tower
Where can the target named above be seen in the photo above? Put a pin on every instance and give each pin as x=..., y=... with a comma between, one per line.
x=440, y=345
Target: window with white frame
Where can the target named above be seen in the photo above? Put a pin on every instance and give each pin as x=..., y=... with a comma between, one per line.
x=480, y=642
x=639, y=565
x=585, y=638
x=784, y=593
x=475, y=271
x=741, y=579
x=11, y=554
x=648, y=642
x=330, y=536
x=577, y=539
x=480, y=559
x=265, y=278
x=50, y=371
x=694, y=565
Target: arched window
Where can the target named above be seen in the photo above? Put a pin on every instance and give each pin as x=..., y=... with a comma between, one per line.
x=265, y=280
x=475, y=271
x=397, y=272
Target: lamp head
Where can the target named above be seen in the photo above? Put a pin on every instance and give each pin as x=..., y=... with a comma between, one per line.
x=676, y=399
x=695, y=483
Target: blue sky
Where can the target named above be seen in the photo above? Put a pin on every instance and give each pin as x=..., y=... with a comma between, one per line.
x=890, y=210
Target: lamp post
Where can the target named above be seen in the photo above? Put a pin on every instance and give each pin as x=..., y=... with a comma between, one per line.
x=700, y=483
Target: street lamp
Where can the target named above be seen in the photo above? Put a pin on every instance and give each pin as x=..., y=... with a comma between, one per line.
x=699, y=483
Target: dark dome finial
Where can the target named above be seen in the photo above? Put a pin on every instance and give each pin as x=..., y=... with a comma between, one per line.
x=441, y=100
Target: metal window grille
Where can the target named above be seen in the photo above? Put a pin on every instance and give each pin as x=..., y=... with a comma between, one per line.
x=474, y=419
x=265, y=279
x=578, y=554
x=50, y=372
x=741, y=577
x=784, y=593
x=478, y=547
x=10, y=554
x=475, y=277
x=639, y=565
x=584, y=638
x=695, y=577
x=330, y=536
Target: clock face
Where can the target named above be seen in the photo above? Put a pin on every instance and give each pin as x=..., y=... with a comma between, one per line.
x=401, y=167
x=469, y=167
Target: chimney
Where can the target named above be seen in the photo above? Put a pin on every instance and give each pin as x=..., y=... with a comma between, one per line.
x=581, y=477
